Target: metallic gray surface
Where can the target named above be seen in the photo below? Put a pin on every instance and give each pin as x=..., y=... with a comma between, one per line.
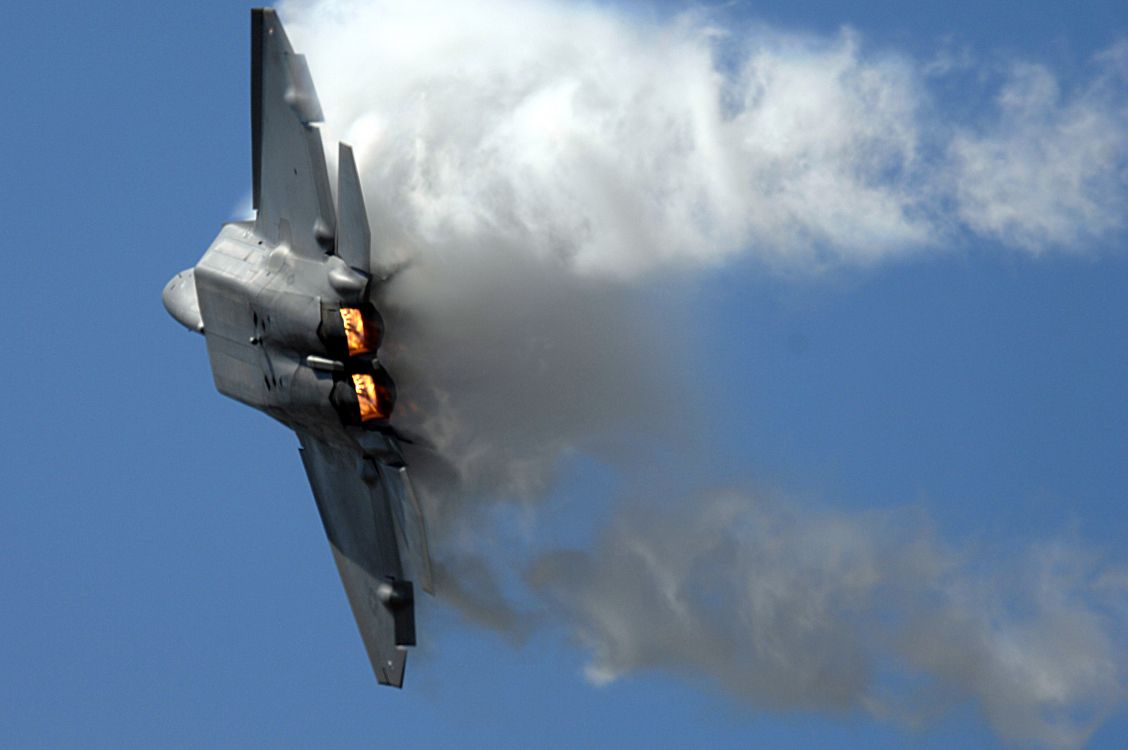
x=179, y=299
x=293, y=200
x=358, y=520
x=353, y=236
x=259, y=294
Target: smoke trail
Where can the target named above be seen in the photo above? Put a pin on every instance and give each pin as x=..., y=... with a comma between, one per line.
x=799, y=608
x=540, y=171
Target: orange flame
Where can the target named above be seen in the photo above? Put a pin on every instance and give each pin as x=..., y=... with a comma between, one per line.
x=371, y=405
x=355, y=332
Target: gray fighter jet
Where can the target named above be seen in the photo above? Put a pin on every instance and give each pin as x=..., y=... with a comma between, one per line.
x=285, y=305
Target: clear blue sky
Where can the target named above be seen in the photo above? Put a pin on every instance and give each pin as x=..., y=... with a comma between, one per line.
x=166, y=581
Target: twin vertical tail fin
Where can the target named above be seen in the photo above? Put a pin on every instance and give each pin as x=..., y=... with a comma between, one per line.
x=353, y=235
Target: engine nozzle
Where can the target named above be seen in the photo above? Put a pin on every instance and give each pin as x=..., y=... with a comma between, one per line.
x=364, y=397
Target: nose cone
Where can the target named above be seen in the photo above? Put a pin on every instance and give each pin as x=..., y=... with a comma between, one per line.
x=180, y=300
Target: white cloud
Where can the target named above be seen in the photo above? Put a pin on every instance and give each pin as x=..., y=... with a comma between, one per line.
x=797, y=608
x=621, y=146
x=1050, y=171
x=618, y=146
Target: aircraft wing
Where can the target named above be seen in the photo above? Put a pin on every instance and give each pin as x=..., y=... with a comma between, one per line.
x=363, y=513
x=291, y=183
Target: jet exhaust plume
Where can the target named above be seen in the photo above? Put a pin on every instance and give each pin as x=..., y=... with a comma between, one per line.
x=539, y=173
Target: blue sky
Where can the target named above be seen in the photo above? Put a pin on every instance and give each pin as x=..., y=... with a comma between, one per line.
x=167, y=582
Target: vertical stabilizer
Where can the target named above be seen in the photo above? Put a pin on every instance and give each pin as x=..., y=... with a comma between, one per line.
x=354, y=239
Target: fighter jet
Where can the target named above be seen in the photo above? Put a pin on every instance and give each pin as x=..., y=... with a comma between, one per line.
x=284, y=303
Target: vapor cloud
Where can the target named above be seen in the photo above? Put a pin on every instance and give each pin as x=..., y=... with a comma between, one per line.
x=1050, y=171
x=620, y=146
x=800, y=608
x=539, y=172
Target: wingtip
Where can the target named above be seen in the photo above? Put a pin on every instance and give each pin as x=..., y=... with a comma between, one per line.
x=391, y=673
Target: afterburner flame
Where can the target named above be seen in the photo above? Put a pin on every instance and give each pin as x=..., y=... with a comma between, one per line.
x=368, y=396
x=356, y=332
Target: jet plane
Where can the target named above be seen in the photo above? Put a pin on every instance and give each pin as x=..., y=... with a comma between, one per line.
x=285, y=304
